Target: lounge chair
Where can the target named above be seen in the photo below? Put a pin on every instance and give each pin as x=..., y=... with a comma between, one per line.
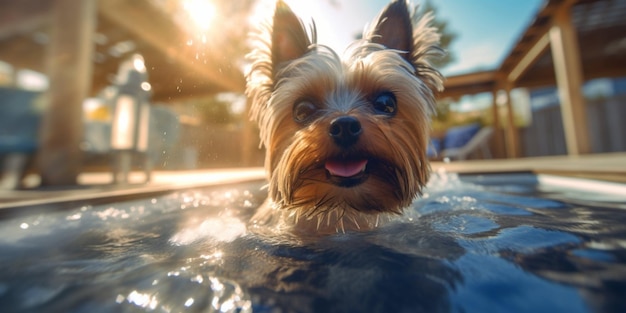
x=460, y=142
x=19, y=130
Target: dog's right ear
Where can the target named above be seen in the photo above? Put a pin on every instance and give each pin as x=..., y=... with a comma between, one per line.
x=289, y=37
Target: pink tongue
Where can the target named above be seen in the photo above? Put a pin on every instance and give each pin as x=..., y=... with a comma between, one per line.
x=345, y=168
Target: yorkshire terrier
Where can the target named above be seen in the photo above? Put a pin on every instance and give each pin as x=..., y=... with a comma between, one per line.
x=345, y=137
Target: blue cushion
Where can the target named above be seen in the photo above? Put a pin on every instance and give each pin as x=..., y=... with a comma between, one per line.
x=457, y=137
x=19, y=121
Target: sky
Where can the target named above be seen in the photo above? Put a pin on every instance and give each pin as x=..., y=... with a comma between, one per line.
x=486, y=29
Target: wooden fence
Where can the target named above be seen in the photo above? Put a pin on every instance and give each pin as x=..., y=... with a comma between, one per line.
x=606, y=120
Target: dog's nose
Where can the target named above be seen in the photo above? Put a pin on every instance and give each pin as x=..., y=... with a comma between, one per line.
x=345, y=130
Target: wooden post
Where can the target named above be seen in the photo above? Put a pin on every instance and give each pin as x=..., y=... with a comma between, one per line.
x=497, y=132
x=69, y=69
x=512, y=135
x=568, y=69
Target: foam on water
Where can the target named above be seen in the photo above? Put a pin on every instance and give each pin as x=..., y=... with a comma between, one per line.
x=463, y=247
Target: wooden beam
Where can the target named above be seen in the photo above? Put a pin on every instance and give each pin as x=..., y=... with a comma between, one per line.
x=569, y=77
x=470, y=79
x=473, y=83
x=161, y=32
x=69, y=72
x=529, y=58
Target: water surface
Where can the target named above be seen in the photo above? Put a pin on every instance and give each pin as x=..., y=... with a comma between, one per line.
x=482, y=244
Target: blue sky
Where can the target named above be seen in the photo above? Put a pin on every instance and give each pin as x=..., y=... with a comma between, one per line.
x=486, y=29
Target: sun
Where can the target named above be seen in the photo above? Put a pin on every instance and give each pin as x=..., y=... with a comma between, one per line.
x=201, y=13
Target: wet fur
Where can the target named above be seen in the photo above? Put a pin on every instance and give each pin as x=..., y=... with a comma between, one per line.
x=289, y=66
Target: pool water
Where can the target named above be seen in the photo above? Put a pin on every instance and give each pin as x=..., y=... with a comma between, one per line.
x=498, y=243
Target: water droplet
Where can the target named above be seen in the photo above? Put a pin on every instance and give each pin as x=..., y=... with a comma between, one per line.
x=197, y=279
x=74, y=217
x=189, y=302
x=119, y=299
x=143, y=300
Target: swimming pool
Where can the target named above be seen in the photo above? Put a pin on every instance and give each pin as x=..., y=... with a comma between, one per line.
x=478, y=243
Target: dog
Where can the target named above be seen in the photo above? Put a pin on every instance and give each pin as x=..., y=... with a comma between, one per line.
x=345, y=137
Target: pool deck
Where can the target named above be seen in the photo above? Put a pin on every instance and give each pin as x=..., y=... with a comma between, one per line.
x=608, y=166
x=98, y=186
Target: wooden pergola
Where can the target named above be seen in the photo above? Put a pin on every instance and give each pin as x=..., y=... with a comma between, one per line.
x=567, y=43
x=79, y=45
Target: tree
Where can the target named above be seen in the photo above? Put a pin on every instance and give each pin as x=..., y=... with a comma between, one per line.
x=447, y=36
x=442, y=115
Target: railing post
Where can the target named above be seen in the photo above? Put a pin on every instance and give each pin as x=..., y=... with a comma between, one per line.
x=569, y=77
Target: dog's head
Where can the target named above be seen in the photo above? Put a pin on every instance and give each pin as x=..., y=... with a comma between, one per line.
x=345, y=135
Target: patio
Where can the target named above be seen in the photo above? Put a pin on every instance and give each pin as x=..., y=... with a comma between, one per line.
x=546, y=54
x=96, y=186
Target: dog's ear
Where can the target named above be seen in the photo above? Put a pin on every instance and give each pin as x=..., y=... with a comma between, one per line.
x=393, y=28
x=289, y=37
x=417, y=41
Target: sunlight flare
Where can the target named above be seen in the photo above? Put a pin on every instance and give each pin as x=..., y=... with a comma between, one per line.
x=201, y=12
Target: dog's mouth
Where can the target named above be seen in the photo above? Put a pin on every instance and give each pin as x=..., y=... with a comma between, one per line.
x=346, y=173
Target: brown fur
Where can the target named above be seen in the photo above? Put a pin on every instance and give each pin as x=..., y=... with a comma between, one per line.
x=290, y=67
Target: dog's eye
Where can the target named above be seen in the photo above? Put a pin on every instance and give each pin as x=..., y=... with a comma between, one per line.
x=303, y=110
x=385, y=103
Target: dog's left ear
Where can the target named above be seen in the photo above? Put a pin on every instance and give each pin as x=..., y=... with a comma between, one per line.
x=394, y=29
x=289, y=38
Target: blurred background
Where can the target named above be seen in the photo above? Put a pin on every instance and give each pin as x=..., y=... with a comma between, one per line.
x=117, y=85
